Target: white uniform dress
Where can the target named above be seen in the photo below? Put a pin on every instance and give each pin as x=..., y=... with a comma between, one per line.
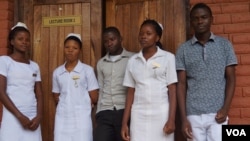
x=73, y=113
x=21, y=80
x=150, y=108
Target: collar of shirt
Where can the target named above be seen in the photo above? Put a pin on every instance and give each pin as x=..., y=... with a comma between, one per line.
x=124, y=54
x=195, y=40
x=77, y=68
x=158, y=53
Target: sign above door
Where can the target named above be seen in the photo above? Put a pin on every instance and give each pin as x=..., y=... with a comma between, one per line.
x=61, y=21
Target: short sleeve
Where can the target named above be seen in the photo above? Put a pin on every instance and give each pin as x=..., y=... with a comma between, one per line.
x=38, y=73
x=231, y=57
x=128, y=78
x=179, y=58
x=4, y=66
x=171, y=74
x=91, y=80
x=55, y=84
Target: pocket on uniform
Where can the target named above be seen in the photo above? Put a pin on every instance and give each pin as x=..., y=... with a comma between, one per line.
x=160, y=73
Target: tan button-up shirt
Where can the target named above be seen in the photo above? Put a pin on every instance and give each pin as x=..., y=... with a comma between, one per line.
x=110, y=76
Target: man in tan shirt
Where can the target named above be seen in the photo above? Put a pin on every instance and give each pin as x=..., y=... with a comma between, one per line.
x=112, y=94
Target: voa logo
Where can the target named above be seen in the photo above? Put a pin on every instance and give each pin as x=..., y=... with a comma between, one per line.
x=236, y=132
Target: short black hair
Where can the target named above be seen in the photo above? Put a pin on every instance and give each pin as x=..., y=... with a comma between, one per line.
x=112, y=29
x=203, y=6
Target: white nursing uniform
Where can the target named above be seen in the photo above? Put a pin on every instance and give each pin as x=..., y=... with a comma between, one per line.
x=21, y=80
x=150, y=108
x=73, y=113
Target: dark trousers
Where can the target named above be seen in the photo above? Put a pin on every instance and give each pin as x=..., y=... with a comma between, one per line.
x=108, y=125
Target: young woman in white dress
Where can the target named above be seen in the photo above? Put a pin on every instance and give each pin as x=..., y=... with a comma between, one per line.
x=151, y=80
x=75, y=89
x=20, y=90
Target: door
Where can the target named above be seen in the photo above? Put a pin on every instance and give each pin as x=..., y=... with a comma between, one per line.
x=78, y=16
x=128, y=15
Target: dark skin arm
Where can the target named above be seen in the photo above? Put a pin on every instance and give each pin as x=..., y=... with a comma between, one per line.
x=93, y=96
x=56, y=97
x=169, y=127
x=229, y=92
x=126, y=115
x=36, y=120
x=6, y=101
x=181, y=98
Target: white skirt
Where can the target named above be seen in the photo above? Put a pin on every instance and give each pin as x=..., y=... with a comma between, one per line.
x=12, y=130
x=147, y=123
x=76, y=126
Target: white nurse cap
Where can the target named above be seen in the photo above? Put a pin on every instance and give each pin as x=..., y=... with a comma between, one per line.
x=74, y=35
x=20, y=24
